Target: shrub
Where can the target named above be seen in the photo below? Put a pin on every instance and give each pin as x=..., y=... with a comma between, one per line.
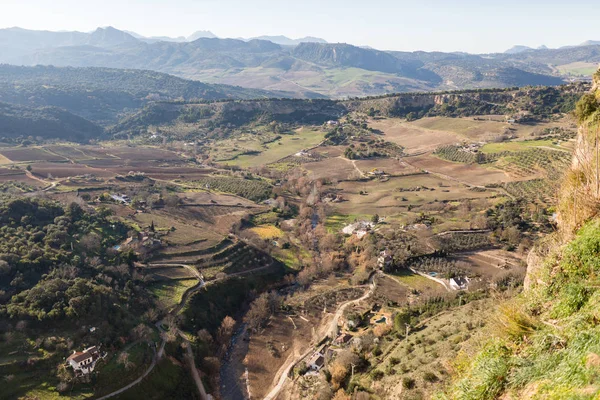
x=430, y=376
x=408, y=383
x=377, y=374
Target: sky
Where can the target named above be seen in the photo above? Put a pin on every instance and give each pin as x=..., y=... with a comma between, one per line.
x=431, y=25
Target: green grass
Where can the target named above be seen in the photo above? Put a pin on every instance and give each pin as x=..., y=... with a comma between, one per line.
x=517, y=146
x=335, y=222
x=414, y=281
x=171, y=292
x=556, y=360
x=578, y=68
x=167, y=381
x=289, y=144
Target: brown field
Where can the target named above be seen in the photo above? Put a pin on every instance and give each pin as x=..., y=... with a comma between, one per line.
x=415, y=139
x=70, y=152
x=185, y=232
x=490, y=263
x=473, y=174
x=64, y=170
x=141, y=153
x=286, y=341
x=9, y=172
x=384, y=198
x=331, y=168
x=469, y=128
x=388, y=165
x=330, y=151
x=29, y=154
x=202, y=197
x=22, y=178
x=389, y=289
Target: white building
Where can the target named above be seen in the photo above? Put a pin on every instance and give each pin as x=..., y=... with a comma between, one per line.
x=84, y=361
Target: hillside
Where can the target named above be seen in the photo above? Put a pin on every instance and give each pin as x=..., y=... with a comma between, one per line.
x=295, y=68
x=45, y=122
x=197, y=120
x=103, y=94
x=546, y=342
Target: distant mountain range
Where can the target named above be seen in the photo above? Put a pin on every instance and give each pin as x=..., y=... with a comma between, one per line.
x=520, y=48
x=282, y=40
x=307, y=67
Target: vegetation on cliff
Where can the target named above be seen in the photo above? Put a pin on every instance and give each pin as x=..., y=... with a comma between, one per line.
x=547, y=340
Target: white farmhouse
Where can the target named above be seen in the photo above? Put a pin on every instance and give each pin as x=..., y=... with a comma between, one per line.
x=83, y=362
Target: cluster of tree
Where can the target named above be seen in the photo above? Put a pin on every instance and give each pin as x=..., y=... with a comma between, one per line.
x=45, y=122
x=58, y=263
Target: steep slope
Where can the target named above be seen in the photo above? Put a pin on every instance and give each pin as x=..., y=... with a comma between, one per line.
x=547, y=341
x=46, y=122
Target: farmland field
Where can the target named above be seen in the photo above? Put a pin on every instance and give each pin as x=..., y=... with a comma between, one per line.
x=467, y=127
x=386, y=198
x=414, y=138
x=288, y=144
x=520, y=146
x=29, y=154
x=171, y=292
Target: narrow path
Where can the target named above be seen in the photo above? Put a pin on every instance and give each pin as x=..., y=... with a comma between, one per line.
x=331, y=332
x=353, y=162
x=138, y=380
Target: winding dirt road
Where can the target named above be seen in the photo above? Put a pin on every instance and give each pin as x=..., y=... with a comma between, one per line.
x=331, y=332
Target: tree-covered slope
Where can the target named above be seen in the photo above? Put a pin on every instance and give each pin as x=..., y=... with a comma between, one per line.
x=45, y=122
x=103, y=94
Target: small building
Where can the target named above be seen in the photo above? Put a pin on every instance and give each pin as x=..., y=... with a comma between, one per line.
x=343, y=339
x=384, y=259
x=316, y=362
x=376, y=172
x=360, y=228
x=120, y=198
x=83, y=362
x=459, y=283
x=332, y=122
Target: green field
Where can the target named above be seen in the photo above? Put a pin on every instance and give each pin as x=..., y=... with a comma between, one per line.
x=517, y=146
x=289, y=144
x=171, y=292
x=578, y=68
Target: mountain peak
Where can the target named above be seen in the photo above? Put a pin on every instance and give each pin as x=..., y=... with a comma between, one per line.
x=518, y=49
x=109, y=36
x=201, y=34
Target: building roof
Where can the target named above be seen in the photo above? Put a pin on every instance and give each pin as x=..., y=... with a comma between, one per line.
x=317, y=359
x=79, y=356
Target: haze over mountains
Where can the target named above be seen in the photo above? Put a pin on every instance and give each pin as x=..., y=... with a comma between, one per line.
x=307, y=67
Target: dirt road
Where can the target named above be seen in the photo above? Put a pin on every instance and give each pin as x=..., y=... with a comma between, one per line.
x=331, y=332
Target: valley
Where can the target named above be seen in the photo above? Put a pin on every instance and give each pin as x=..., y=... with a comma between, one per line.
x=266, y=235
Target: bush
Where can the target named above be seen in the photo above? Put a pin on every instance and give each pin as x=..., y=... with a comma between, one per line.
x=585, y=107
x=408, y=383
x=430, y=377
x=377, y=374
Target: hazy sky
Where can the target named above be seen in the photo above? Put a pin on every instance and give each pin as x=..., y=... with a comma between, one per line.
x=447, y=25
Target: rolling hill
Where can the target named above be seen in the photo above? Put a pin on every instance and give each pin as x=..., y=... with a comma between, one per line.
x=305, y=67
x=103, y=95
x=45, y=122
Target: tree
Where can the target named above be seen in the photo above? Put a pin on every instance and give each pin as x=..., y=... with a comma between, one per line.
x=225, y=330
x=586, y=106
x=123, y=359
x=341, y=395
x=259, y=312
x=375, y=219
